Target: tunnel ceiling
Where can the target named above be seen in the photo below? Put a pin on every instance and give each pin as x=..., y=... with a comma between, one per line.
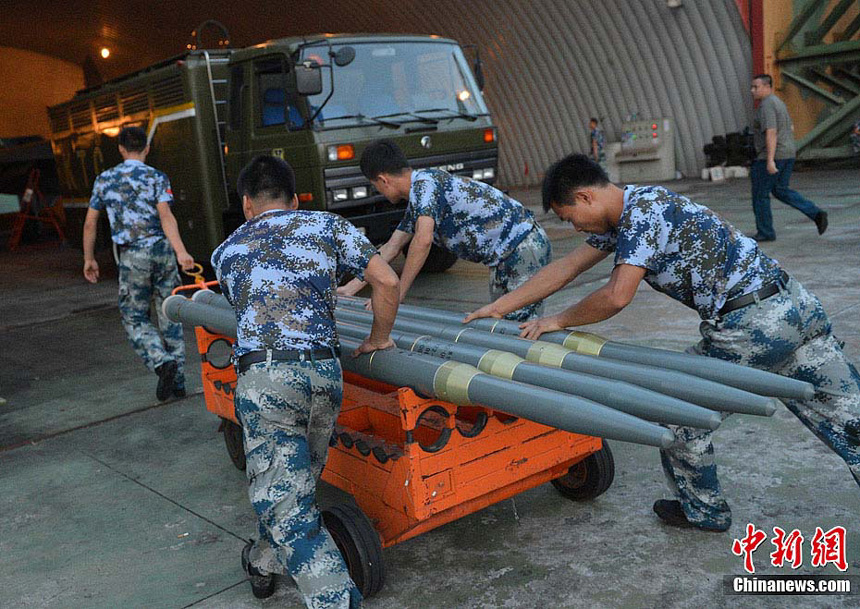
x=550, y=64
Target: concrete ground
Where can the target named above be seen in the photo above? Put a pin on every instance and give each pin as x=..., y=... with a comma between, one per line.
x=110, y=499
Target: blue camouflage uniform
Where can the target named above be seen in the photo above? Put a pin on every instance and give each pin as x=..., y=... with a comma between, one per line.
x=482, y=224
x=693, y=256
x=147, y=265
x=280, y=270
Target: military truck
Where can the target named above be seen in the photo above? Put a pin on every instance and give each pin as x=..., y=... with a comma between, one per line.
x=316, y=101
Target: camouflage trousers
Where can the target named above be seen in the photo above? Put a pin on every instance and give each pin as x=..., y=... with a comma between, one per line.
x=532, y=254
x=789, y=334
x=148, y=274
x=288, y=411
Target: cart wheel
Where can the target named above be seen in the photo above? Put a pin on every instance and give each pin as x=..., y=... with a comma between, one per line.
x=235, y=445
x=589, y=478
x=359, y=544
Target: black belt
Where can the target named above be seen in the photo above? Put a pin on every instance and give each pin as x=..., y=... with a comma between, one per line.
x=759, y=295
x=281, y=355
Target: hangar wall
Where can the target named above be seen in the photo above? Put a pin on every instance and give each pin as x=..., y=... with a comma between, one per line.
x=551, y=64
x=31, y=83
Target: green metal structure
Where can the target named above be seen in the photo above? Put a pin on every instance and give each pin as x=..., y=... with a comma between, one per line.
x=830, y=71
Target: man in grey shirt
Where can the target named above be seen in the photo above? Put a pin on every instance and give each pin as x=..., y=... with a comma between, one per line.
x=773, y=136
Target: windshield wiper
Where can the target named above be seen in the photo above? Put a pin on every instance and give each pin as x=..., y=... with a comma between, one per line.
x=415, y=117
x=454, y=113
x=365, y=118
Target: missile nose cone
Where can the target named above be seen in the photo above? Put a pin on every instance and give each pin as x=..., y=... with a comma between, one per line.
x=714, y=421
x=667, y=438
x=771, y=408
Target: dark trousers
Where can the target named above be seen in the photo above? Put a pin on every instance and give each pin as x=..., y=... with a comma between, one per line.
x=765, y=184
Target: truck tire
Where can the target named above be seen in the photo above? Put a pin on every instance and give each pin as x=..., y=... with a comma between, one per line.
x=234, y=442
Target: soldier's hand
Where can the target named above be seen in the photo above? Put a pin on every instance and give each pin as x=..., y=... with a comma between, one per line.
x=351, y=288
x=771, y=168
x=485, y=311
x=91, y=270
x=370, y=345
x=185, y=261
x=534, y=328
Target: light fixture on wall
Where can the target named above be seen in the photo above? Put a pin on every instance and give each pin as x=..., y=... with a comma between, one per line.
x=104, y=52
x=674, y=3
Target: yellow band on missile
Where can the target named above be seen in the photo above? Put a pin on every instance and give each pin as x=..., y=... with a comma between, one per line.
x=499, y=363
x=451, y=382
x=547, y=354
x=584, y=342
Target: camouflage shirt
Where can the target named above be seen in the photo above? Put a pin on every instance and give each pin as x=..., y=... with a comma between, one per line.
x=689, y=253
x=280, y=270
x=130, y=192
x=598, y=136
x=473, y=220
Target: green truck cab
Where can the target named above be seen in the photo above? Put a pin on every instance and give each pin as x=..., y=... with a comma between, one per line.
x=316, y=101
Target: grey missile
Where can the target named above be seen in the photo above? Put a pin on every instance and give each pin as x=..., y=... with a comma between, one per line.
x=633, y=400
x=208, y=297
x=721, y=371
x=463, y=384
x=669, y=382
x=460, y=384
x=181, y=309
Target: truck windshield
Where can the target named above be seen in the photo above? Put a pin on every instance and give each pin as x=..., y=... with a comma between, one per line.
x=398, y=82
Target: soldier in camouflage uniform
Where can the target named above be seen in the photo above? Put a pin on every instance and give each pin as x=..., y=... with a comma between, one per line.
x=138, y=199
x=466, y=217
x=279, y=270
x=687, y=252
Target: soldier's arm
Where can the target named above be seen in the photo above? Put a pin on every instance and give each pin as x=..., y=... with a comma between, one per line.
x=770, y=142
x=91, y=267
x=385, y=299
x=171, y=231
x=601, y=304
x=549, y=280
x=389, y=251
x=419, y=249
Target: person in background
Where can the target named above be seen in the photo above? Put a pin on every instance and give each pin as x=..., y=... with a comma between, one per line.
x=138, y=198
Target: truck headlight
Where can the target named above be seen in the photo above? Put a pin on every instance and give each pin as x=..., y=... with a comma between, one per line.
x=341, y=194
x=359, y=192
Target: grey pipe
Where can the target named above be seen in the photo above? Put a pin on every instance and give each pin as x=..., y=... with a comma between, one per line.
x=463, y=384
x=720, y=371
x=669, y=382
x=181, y=309
x=460, y=383
x=633, y=400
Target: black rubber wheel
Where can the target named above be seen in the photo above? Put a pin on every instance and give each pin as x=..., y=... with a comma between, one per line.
x=359, y=544
x=589, y=478
x=235, y=444
x=438, y=260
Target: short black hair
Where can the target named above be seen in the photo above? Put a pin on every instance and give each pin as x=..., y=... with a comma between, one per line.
x=568, y=174
x=383, y=156
x=765, y=78
x=132, y=139
x=593, y=120
x=267, y=177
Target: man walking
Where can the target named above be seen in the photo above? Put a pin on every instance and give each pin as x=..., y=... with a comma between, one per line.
x=138, y=199
x=279, y=270
x=773, y=137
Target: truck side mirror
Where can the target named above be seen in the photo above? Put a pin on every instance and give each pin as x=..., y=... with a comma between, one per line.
x=479, y=73
x=308, y=78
